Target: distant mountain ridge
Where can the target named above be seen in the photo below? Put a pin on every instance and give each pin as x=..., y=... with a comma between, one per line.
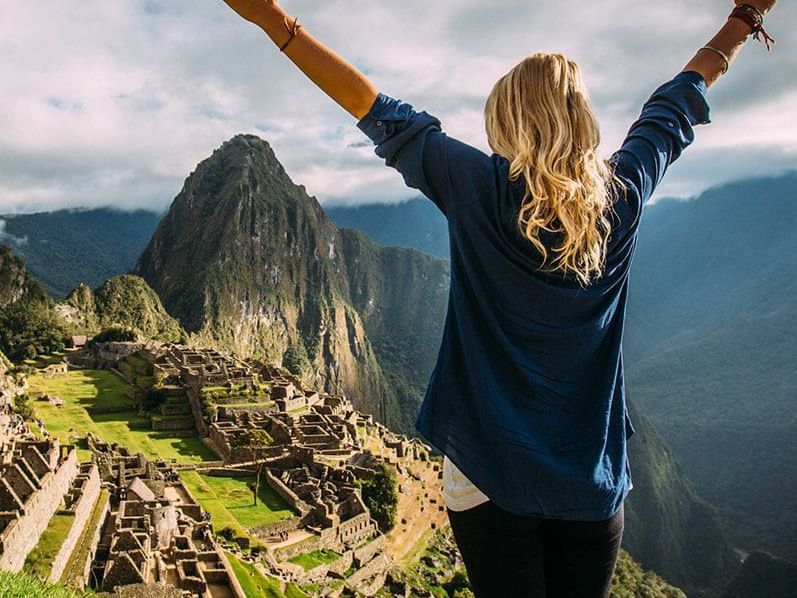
x=67, y=247
x=710, y=348
x=415, y=223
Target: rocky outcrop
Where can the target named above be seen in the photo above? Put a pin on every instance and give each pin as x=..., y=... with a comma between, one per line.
x=16, y=283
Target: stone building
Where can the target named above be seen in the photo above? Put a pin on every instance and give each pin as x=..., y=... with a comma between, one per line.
x=34, y=477
x=198, y=367
x=155, y=533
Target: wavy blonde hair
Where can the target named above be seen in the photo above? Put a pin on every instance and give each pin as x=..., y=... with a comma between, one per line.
x=539, y=117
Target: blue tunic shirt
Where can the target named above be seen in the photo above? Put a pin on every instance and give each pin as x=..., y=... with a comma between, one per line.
x=527, y=397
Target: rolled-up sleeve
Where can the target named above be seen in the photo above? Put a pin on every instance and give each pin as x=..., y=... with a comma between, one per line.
x=412, y=143
x=661, y=133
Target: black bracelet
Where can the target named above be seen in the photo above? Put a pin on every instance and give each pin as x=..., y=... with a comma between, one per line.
x=294, y=30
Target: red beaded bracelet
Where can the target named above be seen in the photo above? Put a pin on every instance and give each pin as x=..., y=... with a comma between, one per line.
x=755, y=20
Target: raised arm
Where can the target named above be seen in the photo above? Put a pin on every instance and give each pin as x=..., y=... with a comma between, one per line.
x=710, y=60
x=666, y=125
x=338, y=78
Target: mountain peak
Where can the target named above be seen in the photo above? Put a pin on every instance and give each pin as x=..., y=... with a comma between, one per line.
x=247, y=141
x=245, y=146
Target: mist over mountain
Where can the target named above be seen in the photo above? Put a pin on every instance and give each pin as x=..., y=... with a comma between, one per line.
x=67, y=247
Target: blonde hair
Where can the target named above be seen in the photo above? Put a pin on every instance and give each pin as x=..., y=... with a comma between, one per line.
x=538, y=116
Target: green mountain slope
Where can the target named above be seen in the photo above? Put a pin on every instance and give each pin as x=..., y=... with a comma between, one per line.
x=246, y=259
x=29, y=324
x=764, y=576
x=64, y=248
x=16, y=283
x=415, y=223
x=126, y=301
x=669, y=528
x=711, y=350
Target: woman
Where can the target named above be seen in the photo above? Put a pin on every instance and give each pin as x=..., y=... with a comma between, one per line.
x=527, y=399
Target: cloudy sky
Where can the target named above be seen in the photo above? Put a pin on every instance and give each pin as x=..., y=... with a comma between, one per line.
x=113, y=102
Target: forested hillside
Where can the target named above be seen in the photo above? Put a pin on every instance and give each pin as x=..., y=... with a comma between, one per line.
x=64, y=248
x=710, y=349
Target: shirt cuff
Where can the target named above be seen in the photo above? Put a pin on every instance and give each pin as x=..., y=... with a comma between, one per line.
x=384, y=112
x=687, y=91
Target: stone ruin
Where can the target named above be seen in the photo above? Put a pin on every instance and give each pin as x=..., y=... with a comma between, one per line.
x=102, y=355
x=178, y=364
x=34, y=477
x=156, y=533
x=313, y=463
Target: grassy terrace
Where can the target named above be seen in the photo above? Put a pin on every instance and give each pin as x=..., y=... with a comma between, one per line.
x=25, y=585
x=78, y=557
x=85, y=394
x=416, y=552
x=40, y=559
x=229, y=502
x=254, y=583
x=309, y=560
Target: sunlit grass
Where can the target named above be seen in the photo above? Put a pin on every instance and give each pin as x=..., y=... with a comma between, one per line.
x=40, y=559
x=230, y=502
x=83, y=393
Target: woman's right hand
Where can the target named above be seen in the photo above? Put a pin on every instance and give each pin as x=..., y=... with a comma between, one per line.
x=763, y=5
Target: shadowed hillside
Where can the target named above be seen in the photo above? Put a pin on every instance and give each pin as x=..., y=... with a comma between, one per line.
x=64, y=248
x=710, y=350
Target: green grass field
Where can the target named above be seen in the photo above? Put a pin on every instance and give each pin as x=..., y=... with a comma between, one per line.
x=25, y=585
x=309, y=560
x=81, y=551
x=229, y=501
x=82, y=390
x=40, y=559
x=254, y=583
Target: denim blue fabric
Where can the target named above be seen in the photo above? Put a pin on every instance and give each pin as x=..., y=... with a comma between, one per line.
x=527, y=397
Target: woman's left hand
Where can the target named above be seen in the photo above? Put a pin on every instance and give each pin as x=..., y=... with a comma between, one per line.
x=251, y=10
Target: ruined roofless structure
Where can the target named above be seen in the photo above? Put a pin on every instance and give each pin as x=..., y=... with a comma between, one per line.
x=34, y=478
x=156, y=533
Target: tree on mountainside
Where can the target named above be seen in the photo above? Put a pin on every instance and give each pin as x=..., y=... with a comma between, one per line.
x=380, y=495
x=30, y=329
x=116, y=333
x=256, y=442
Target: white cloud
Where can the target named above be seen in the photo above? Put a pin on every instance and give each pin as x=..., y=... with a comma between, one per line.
x=114, y=103
x=8, y=238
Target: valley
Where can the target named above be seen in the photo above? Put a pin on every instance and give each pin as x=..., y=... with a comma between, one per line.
x=260, y=370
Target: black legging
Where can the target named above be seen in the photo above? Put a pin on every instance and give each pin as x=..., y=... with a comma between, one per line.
x=516, y=556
